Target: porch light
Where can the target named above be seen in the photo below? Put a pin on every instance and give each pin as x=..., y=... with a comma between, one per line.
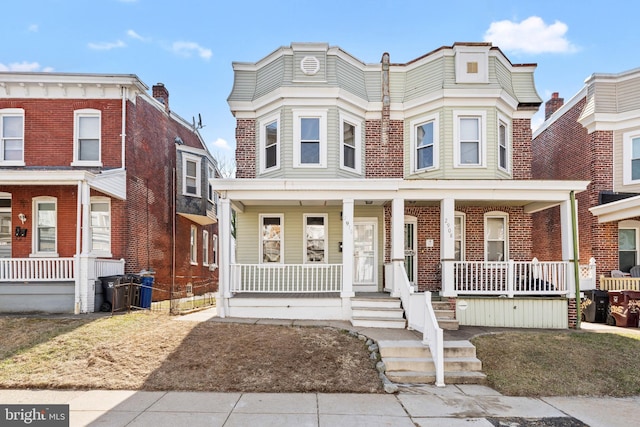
x=368, y=202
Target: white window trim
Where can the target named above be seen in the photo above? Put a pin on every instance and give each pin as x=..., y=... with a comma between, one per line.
x=463, y=232
x=482, y=149
x=326, y=238
x=300, y=114
x=214, y=244
x=211, y=174
x=261, y=246
x=505, y=217
x=205, y=248
x=198, y=161
x=12, y=112
x=413, y=157
x=34, y=228
x=357, y=140
x=86, y=112
x=626, y=156
x=100, y=199
x=263, y=142
x=631, y=225
x=193, y=245
x=504, y=121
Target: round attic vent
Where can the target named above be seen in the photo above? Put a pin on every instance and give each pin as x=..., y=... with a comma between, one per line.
x=310, y=65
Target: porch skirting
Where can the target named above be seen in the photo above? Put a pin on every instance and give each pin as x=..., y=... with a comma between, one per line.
x=56, y=297
x=314, y=306
x=517, y=312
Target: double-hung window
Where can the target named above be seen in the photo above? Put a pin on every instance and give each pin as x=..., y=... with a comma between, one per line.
x=87, y=140
x=101, y=226
x=214, y=243
x=45, y=226
x=205, y=247
x=496, y=236
x=503, y=144
x=424, y=143
x=271, y=238
x=315, y=238
x=350, y=137
x=310, y=140
x=469, y=135
x=628, y=244
x=270, y=143
x=458, y=236
x=191, y=175
x=12, y=136
x=210, y=175
x=193, y=245
x=631, y=158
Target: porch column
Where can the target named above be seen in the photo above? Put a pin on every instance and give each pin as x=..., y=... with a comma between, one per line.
x=85, y=293
x=347, y=249
x=397, y=239
x=447, y=245
x=566, y=237
x=224, y=273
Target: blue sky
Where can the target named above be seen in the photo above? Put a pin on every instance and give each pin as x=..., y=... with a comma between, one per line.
x=190, y=45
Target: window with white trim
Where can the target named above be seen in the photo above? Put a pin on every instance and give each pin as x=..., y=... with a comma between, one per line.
x=309, y=139
x=350, y=140
x=628, y=245
x=424, y=143
x=270, y=143
x=469, y=135
x=12, y=136
x=205, y=247
x=315, y=230
x=211, y=174
x=45, y=226
x=214, y=244
x=191, y=175
x=459, y=236
x=87, y=139
x=100, y=226
x=503, y=144
x=496, y=234
x=631, y=156
x=193, y=245
x=271, y=238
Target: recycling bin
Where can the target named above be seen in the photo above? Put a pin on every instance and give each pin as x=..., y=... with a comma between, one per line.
x=624, y=308
x=146, y=289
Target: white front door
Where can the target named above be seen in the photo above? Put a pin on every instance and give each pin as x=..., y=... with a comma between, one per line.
x=365, y=255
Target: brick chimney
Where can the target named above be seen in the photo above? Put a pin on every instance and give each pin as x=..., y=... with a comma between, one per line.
x=161, y=94
x=553, y=105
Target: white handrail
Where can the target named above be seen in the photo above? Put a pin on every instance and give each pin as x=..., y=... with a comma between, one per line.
x=434, y=338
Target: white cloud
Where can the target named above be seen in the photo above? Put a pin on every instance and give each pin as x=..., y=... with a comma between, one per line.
x=530, y=36
x=33, y=28
x=134, y=35
x=107, y=45
x=221, y=143
x=187, y=48
x=24, y=66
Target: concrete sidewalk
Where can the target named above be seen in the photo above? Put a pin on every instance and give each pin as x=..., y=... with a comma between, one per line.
x=460, y=405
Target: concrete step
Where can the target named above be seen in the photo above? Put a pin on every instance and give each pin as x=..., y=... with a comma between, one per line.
x=414, y=348
x=377, y=322
x=408, y=377
x=381, y=302
x=425, y=364
x=448, y=324
x=445, y=314
x=441, y=305
x=460, y=348
x=381, y=312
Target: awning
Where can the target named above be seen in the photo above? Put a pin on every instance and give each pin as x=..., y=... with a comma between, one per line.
x=617, y=211
x=198, y=219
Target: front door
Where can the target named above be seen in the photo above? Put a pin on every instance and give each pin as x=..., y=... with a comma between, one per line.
x=5, y=234
x=365, y=257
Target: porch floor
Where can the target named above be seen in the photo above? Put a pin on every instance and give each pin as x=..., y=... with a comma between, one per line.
x=308, y=295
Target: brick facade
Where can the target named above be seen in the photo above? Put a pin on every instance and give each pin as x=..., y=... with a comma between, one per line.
x=384, y=157
x=245, y=148
x=521, y=156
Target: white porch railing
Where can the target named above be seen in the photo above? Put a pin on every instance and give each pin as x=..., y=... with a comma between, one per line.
x=37, y=269
x=109, y=267
x=420, y=315
x=286, y=278
x=511, y=278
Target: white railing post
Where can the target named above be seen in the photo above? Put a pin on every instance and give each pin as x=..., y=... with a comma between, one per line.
x=511, y=279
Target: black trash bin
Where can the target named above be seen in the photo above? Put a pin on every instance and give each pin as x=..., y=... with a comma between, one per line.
x=114, y=293
x=595, y=306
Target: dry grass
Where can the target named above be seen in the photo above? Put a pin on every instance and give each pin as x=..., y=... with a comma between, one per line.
x=561, y=363
x=150, y=351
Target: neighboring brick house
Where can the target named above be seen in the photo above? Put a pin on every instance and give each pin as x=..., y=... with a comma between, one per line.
x=98, y=177
x=595, y=136
x=399, y=178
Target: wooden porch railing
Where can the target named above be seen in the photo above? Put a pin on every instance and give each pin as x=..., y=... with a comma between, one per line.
x=286, y=278
x=620, y=283
x=37, y=269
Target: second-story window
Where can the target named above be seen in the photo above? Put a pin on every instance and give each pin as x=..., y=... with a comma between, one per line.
x=12, y=136
x=350, y=135
x=424, y=143
x=87, y=137
x=210, y=175
x=310, y=145
x=503, y=145
x=191, y=175
x=270, y=144
x=469, y=137
x=631, y=158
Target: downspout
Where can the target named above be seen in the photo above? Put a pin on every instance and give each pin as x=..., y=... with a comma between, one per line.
x=576, y=258
x=123, y=133
x=76, y=272
x=173, y=233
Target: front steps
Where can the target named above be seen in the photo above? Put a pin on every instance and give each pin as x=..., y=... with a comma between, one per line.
x=445, y=315
x=377, y=312
x=410, y=362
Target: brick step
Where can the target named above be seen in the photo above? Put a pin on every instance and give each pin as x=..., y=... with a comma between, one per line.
x=445, y=314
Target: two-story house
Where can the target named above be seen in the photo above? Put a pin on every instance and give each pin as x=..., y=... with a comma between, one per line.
x=359, y=180
x=98, y=177
x=595, y=136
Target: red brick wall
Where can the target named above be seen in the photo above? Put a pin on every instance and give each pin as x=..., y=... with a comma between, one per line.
x=49, y=126
x=246, y=148
x=521, y=149
x=384, y=160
